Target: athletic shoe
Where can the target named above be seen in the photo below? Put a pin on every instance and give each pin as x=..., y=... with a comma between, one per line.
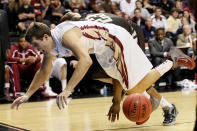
x=170, y=114
x=49, y=93
x=180, y=59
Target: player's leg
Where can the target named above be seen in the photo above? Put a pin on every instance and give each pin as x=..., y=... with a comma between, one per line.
x=59, y=71
x=151, y=77
x=63, y=76
x=7, y=83
x=16, y=87
x=170, y=111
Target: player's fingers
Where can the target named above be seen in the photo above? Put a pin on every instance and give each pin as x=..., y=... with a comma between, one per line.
x=109, y=117
x=118, y=116
x=17, y=106
x=15, y=103
x=62, y=101
x=113, y=117
x=57, y=102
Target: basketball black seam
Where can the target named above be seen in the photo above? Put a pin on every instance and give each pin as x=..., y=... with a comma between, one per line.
x=139, y=108
x=129, y=107
x=147, y=104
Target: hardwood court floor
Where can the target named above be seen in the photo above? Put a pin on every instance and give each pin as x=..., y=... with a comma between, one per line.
x=90, y=115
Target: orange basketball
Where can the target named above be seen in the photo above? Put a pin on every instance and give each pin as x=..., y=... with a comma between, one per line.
x=137, y=107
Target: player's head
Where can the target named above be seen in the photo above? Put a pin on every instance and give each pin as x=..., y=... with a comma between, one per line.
x=38, y=34
x=160, y=32
x=22, y=42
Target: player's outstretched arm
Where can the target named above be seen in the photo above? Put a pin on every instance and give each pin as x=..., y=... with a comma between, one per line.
x=71, y=40
x=40, y=77
x=115, y=108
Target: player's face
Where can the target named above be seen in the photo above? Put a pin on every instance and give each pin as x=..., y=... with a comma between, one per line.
x=39, y=44
x=160, y=35
x=23, y=43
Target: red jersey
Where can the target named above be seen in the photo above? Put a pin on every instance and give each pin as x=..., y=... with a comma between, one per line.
x=17, y=53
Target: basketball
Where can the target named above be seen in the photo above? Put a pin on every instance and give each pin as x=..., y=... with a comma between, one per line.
x=137, y=107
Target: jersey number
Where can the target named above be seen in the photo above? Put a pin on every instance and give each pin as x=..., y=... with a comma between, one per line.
x=99, y=18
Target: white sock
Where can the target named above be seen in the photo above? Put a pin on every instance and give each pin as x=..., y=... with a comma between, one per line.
x=164, y=67
x=47, y=85
x=165, y=103
x=64, y=83
x=146, y=94
x=7, y=85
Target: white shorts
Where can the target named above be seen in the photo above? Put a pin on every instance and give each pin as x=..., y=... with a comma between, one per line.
x=134, y=63
x=57, y=65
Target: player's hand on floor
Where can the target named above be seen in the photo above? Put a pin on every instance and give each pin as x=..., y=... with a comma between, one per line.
x=114, y=112
x=61, y=99
x=19, y=101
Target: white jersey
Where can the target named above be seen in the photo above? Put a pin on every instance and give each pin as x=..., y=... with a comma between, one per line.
x=115, y=49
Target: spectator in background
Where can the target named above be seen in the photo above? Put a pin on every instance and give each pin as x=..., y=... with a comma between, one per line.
x=137, y=18
x=159, y=21
x=77, y=5
x=184, y=21
x=187, y=14
x=166, y=6
x=37, y=4
x=173, y=21
x=179, y=5
x=127, y=6
x=47, y=10
x=144, y=12
x=38, y=18
x=24, y=62
x=149, y=6
x=57, y=11
x=12, y=13
x=187, y=37
x=159, y=47
x=25, y=15
x=107, y=6
x=148, y=30
x=94, y=4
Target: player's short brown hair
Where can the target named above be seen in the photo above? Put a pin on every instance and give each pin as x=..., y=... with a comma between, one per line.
x=37, y=30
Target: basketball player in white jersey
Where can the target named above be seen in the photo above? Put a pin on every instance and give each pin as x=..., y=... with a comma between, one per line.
x=123, y=63
x=169, y=110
